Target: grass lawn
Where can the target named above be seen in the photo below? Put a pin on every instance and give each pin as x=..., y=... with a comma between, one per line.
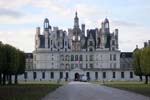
x=26, y=91
x=137, y=87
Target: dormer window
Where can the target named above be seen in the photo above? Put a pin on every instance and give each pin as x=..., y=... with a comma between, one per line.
x=90, y=43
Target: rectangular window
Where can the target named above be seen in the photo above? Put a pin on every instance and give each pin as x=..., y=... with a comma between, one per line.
x=67, y=75
x=110, y=57
x=65, y=43
x=52, y=75
x=76, y=57
x=114, y=57
x=114, y=75
x=91, y=58
x=43, y=75
x=34, y=75
x=86, y=66
x=72, y=58
x=122, y=74
x=91, y=43
x=113, y=42
x=104, y=75
x=88, y=75
x=76, y=65
x=25, y=75
x=61, y=75
x=81, y=58
x=131, y=74
x=91, y=66
x=72, y=66
x=96, y=75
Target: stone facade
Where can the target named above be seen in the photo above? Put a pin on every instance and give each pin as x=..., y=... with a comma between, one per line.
x=61, y=55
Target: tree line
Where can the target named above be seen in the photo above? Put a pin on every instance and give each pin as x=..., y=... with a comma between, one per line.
x=12, y=63
x=141, y=63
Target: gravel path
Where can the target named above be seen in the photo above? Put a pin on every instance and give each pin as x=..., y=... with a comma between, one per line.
x=88, y=91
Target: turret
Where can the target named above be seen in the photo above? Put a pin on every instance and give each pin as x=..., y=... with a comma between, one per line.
x=47, y=30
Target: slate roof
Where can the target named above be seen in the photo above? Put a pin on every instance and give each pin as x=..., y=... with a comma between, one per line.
x=126, y=55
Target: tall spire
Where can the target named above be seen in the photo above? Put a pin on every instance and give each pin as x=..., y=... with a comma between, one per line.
x=76, y=20
x=76, y=14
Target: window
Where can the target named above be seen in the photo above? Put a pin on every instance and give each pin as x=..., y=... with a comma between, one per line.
x=72, y=66
x=88, y=75
x=91, y=58
x=67, y=75
x=65, y=43
x=72, y=58
x=113, y=42
x=104, y=75
x=81, y=58
x=96, y=75
x=86, y=66
x=62, y=57
x=114, y=75
x=91, y=43
x=43, y=75
x=76, y=58
x=113, y=48
x=131, y=74
x=25, y=75
x=90, y=49
x=110, y=57
x=91, y=66
x=34, y=75
x=86, y=58
x=114, y=57
x=52, y=75
x=61, y=75
x=122, y=74
x=65, y=49
x=76, y=65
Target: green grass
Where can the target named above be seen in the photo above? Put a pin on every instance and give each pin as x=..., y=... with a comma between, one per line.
x=137, y=87
x=27, y=91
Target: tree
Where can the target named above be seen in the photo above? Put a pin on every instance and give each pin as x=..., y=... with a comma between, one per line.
x=20, y=64
x=145, y=63
x=136, y=64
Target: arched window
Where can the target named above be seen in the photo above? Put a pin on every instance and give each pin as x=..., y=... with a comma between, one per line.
x=76, y=58
x=72, y=57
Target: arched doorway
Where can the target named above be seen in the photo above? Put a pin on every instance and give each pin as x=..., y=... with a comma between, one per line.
x=76, y=77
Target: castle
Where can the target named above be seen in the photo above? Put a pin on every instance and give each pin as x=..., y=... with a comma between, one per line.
x=71, y=55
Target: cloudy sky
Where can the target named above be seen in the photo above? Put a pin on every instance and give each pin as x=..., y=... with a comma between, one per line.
x=19, y=18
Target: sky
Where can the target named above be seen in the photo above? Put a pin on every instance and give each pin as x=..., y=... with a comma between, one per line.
x=19, y=19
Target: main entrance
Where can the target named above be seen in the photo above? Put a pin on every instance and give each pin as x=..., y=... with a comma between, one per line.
x=76, y=77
